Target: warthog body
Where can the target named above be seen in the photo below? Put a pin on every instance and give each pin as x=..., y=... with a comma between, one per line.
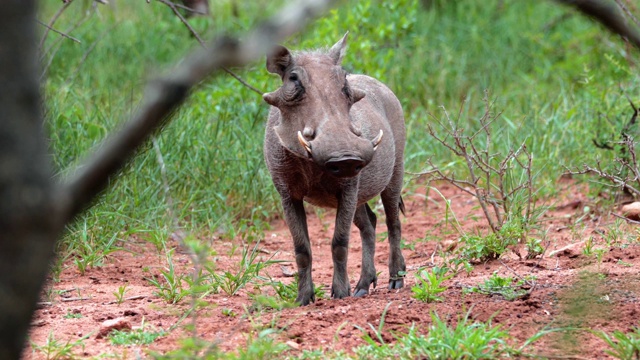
x=335, y=140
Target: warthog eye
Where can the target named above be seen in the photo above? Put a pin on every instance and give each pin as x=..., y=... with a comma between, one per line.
x=293, y=77
x=347, y=92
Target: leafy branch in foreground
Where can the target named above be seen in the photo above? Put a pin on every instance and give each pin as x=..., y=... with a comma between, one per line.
x=502, y=183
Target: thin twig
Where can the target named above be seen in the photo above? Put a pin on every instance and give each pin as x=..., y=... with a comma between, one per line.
x=58, y=32
x=204, y=45
x=74, y=299
x=625, y=9
x=626, y=219
x=51, y=22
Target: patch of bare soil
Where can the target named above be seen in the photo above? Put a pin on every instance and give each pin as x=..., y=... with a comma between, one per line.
x=572, y=289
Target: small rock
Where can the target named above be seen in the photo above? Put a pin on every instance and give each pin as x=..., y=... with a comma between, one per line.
x=114, y=324
x=449, y=245
x=287, y=271
x=293, y=344
x=631, y=211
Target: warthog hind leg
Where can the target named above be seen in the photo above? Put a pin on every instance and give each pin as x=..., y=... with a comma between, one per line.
x=391, y=201
x=365, y=220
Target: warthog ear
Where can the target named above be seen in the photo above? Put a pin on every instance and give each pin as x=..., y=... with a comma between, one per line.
x=272, y=98
x=338, y=50
x=279, y=60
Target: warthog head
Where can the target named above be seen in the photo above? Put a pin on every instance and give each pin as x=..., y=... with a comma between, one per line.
x=315, y=100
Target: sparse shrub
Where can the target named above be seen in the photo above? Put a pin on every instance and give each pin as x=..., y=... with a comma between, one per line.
x=501, y=181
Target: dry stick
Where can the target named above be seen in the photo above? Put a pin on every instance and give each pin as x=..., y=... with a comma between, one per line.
x=203, y=44
x=626, y=219
x=626, y=10
x=51, y=22
x=165, y=95
x=56, y=45
x=58, y=32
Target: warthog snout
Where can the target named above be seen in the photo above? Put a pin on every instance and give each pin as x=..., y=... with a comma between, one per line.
x=341, y=158
x=345, y=166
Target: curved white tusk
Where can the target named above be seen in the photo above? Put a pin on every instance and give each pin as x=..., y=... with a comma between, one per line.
x=305, y=144
x=377, y=140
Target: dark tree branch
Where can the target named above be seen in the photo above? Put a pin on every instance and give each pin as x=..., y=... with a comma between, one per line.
x=608, y=14
x=28, y=222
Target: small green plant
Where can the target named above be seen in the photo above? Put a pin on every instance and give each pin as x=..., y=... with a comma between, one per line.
x=122, y=290
x=170, y=286
x=377, y=332
x=289, y=292
x=588, y=246
x=622, y=346
x=457, y=265
x=507, y=287
x=76, y=314
x=534, y=248
x=134, y=337
x=248, y=271
x=407, y=246
x=229, y=312
x=430, y=284
x=89, y=253
x=624, y=263
x=490, y=247
x=54, y=349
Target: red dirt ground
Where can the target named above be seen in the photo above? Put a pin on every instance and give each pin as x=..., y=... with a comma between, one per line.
x=572, y=289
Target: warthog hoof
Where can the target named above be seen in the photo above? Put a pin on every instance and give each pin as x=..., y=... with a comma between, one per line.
x=305, y=300
x=339, y=294
x=396, y=282
x=361, y=292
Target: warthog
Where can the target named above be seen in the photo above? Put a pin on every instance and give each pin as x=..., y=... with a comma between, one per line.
x=335, y=140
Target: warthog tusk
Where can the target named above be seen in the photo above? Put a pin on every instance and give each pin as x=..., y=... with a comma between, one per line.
x=305, y=144
x=377, y=140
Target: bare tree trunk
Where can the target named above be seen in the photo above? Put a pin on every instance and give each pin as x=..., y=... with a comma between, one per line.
x=27, y=227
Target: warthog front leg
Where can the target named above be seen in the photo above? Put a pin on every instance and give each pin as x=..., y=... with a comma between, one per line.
x=297, y=222
x=365, y=220
x=340, y=244
x=391, y=201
